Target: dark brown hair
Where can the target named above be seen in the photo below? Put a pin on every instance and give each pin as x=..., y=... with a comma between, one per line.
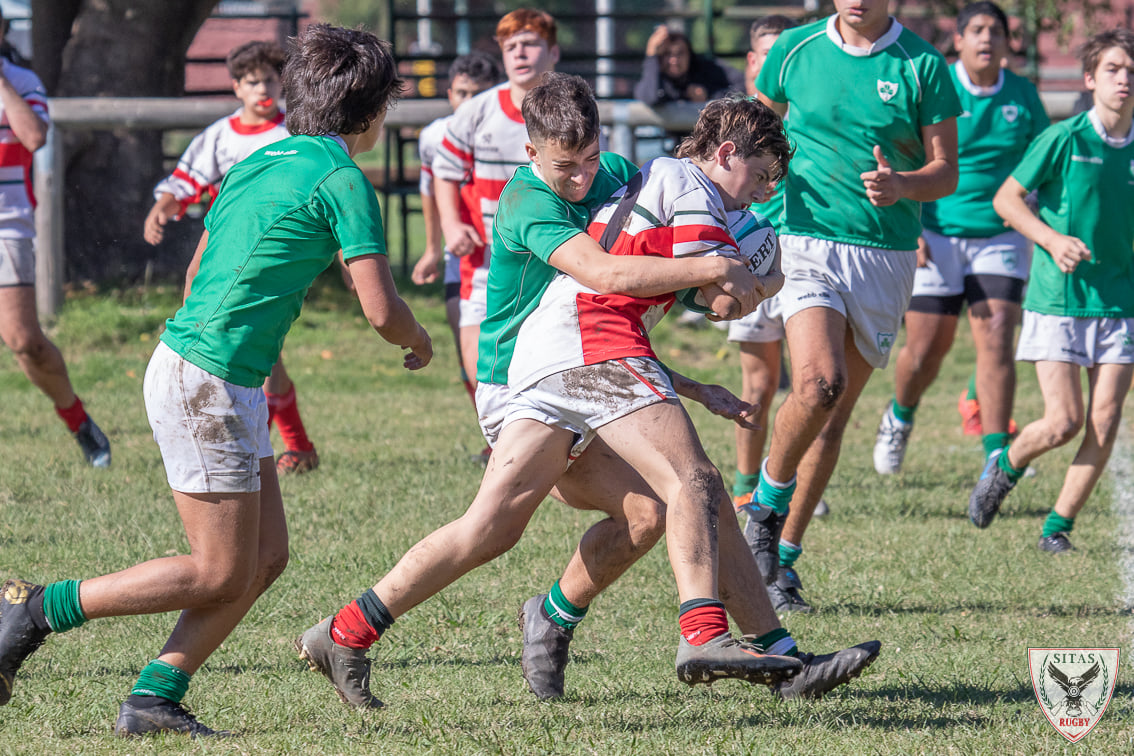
x=337, y=81
x=773, y=24
x=561, y=109
x=253, y=56
x=1092, y=50
x=751, y=125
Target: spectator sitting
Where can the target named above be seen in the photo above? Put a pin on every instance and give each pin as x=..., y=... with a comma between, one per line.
x=672, y=73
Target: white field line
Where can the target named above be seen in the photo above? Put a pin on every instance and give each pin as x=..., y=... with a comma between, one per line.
x=1122, y=473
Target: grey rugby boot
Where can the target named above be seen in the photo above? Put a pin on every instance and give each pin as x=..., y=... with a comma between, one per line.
x=544, y=658
x=166, y=716
x=989, y=493
x=348, y=669
x=822, y=674
x=1056, y=543
x=725, y=656
x=784, y=593
x=762, y=533
x=91, y=439
x=19, y=636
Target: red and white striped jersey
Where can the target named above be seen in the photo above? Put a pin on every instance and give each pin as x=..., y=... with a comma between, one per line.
x=484, y=144
x=17, y=202
x=428, y=142
x=677, y=213
x=212, y=153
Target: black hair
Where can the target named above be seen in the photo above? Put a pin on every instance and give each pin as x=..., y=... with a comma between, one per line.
x=478, y=66
x=981, y=8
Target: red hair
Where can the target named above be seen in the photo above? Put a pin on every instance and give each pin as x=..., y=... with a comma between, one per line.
x=527, y=19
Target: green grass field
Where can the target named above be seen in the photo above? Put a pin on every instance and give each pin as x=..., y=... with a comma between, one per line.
x=896, y=560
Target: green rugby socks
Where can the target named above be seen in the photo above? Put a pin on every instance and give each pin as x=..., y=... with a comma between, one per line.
x=61, y=606
x=561, y=611
x=163, y=680
x=1057, y=523
x=771, y=493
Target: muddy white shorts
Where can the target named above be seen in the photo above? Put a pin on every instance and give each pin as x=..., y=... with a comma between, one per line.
x=869, y=286
x=1080, y=341
x=212, y=433
x=581, y=399
x=17, y=262
x=764, y=324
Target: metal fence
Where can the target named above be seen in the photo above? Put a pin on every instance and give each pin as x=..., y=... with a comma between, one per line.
x=622, y=119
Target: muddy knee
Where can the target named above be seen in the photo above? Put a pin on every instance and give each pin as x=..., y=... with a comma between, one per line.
x=823, y=391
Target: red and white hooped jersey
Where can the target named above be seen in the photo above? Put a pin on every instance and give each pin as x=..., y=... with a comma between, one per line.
x=484, y=144
x=17, y=220
x=678, y=213
x=212, y=153
x=428, y=142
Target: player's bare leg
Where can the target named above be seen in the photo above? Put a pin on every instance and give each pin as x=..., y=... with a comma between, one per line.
x=597, y=480
x=299, y=454
x=37, y=356
x=818, y=464
x=1108, y=388
x=43, y=364
x=993, y=323
x=469, y=338
x=214, y=586
x=816, y=340
x=659, y=442
x=760, y=376
x=929, y=337
x=527, y=460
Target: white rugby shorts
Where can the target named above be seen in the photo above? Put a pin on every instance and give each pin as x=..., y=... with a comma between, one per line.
x=580, y=400
x=1080, y=341
x=17, y=262
x=764, y=324
x=952, y=258
x=474, y=307
x=212, y=434
x=869, y=286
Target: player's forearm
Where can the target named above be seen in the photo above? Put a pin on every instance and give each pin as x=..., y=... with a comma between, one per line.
x=654, y=276
x=936, y=179
x=432, y=219
x=1011, y=205
x=447, y=196
x=395, y=323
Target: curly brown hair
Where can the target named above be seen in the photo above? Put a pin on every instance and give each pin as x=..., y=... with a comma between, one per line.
x=749, y=124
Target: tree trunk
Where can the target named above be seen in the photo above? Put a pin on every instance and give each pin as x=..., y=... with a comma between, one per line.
x=114, y=48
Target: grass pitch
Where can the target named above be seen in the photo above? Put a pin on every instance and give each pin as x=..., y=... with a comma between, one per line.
x=896, y=560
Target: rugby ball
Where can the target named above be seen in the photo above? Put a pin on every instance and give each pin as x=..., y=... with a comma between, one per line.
x=756, y=240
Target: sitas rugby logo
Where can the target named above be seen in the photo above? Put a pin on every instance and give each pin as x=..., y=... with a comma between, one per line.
x=1073, y=686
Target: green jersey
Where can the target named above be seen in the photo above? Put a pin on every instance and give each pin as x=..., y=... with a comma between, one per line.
x=532, y=221
x=1086, y=190
x=279, y=219
x=995, y=128
x=842, y=101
